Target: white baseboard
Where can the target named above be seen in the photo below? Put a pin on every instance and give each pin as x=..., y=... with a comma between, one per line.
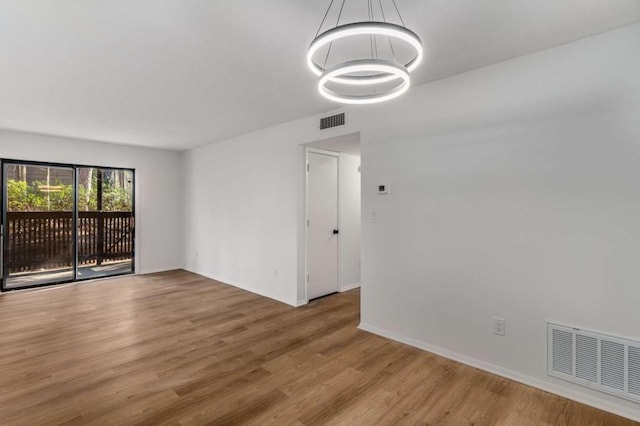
x=509, y=374
x=156, y=270
x=248, y=288
x=349, y=287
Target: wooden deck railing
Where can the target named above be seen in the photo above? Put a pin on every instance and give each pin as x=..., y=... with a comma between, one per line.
x=44, y=240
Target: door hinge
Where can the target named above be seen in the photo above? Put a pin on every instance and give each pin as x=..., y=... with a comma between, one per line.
x=307, y=167
x=307, y=223
x=308, y=277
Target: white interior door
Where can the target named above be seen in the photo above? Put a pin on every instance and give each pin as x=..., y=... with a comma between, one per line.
x=322, y=234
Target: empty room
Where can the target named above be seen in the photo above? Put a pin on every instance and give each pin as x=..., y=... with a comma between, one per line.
x=320, y=212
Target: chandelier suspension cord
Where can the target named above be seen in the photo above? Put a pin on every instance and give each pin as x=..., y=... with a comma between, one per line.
x=370, y=19
x=375, y=40
x=372, y=40
x=398, y=12
x=324, y=19
x=340, y=13
x=324, y=65
x=384, y=18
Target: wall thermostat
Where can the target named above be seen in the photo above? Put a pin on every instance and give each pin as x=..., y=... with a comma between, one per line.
x=383, y=188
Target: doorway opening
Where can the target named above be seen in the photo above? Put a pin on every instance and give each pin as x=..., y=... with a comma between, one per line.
x=332, y=227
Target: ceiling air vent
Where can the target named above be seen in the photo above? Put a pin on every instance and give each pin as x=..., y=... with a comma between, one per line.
x=607, y=363
x=332, y=121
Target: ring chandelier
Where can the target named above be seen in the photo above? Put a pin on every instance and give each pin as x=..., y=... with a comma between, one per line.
x=371, y=71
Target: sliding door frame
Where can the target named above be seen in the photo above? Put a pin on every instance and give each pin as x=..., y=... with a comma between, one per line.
x=4, y=269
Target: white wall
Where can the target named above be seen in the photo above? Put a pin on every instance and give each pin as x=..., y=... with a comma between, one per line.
x=158, y=184
x=349, y=221
x=244, y=204
x=515, y=192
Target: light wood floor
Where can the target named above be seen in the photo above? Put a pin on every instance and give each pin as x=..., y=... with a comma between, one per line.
x=177, y=348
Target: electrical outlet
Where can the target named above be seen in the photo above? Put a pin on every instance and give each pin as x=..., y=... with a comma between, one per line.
x=499, y=326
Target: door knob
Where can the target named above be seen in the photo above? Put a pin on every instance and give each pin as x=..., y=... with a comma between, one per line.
x=335, y=231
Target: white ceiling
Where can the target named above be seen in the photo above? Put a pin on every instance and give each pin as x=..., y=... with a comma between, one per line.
x=178, y=74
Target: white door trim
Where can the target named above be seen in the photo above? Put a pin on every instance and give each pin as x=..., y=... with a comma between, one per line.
x=306, y=216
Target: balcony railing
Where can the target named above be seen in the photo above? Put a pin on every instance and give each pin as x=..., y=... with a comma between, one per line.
x=44, y=240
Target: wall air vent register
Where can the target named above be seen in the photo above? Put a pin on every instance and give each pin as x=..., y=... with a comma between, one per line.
x=607, y=363
x=332, y=121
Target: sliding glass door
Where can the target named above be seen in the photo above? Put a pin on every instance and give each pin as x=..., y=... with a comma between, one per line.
x=63, y=223
x=38, y=218
x=105, y=222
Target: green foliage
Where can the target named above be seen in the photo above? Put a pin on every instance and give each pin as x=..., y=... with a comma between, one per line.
x=59, y=197
x=116, y=200
x=30, y=198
